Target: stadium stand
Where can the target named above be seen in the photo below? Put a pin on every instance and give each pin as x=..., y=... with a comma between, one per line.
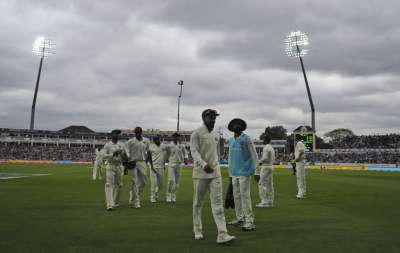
x=364, y=156
x=73, y=143
x=389, y=141
x=77, y=143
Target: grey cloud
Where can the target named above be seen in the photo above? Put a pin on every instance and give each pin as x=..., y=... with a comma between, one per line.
x=351, y=37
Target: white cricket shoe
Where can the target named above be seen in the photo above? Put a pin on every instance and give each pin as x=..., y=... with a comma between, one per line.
x=198, y=236
x=137, y=205
x=264, y=205
x=169, y=198
x=300, y=196
x=235, y=222
x=225, y=238
x=248, y=227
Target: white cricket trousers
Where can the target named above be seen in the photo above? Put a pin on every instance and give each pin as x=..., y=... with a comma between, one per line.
x=266, y=185
x=301, y=179
x=138, y=182
x=113, y=185
x=241, y=195
x=156, y=180
x=97, y=170
x=174, y=176
x=214, y=187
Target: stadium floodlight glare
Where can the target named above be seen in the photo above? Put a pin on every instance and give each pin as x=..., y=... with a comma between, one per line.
x=296, y=43
x=42, y=47
x=180, y=83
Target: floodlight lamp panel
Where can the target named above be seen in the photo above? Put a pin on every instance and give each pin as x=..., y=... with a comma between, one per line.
x=43, y=47
x=296, y=43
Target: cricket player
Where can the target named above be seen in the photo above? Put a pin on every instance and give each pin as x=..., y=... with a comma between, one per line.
x=177, y=154
x=207, y=176
x=300, y=158
x=98, y=164
x=266, y=184
x=112, y=154
x=137, y=149
x=242, y=164
x=157, y=165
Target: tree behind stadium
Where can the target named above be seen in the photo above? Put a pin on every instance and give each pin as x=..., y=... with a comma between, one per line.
x=275, y=133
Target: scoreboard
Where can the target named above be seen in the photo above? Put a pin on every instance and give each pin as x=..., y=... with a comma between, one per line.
x=308, y=139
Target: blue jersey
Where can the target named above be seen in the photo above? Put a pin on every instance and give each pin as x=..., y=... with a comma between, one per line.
x=240, y=160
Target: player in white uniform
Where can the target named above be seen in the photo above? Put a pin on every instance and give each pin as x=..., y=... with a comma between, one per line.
x=177, y=154
x=137, y=150
x=266, y=184
x=300, y=158
x=98, y=164
x=157, y=152
x=207, y=176
x=112, y=154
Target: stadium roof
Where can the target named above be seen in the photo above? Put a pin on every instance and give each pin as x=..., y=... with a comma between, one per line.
x=76, y=130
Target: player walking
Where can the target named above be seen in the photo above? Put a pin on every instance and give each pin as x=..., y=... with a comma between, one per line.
x=177, y=155
x=157, y=158
x=98, y=164
x=207, y=176
x=113, y=152
x=137, y=150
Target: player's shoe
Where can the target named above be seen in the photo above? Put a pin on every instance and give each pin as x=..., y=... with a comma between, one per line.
x=134, y=205
x=153, y=200
x=300, y=196
x=173, y=198
x=248, y=227
x=264, y=205
x=235, y=222
x=198, y=236
x=169, y=198
x=225, y=238
x=109, y=208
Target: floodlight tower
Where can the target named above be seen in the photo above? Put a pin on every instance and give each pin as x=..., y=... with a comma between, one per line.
x=42, y=47
x=180, y=83
x=296, y=42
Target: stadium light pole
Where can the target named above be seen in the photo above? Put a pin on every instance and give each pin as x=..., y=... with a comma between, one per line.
x=42, y=47
x=296, y=42
x=180, y=83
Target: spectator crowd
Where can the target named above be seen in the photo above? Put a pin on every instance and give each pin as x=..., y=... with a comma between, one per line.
x=26, y=151
x=374, y=156
x=381, y=149
x=389, y=141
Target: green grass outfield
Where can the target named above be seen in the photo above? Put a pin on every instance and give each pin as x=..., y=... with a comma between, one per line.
x=64, y=212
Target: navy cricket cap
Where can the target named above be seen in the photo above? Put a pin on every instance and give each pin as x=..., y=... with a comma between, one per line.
x=237, y=122
x=137, y=130
x=209, y=112
x=116, y=131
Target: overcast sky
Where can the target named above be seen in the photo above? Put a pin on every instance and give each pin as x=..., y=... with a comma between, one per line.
x=118, y=63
